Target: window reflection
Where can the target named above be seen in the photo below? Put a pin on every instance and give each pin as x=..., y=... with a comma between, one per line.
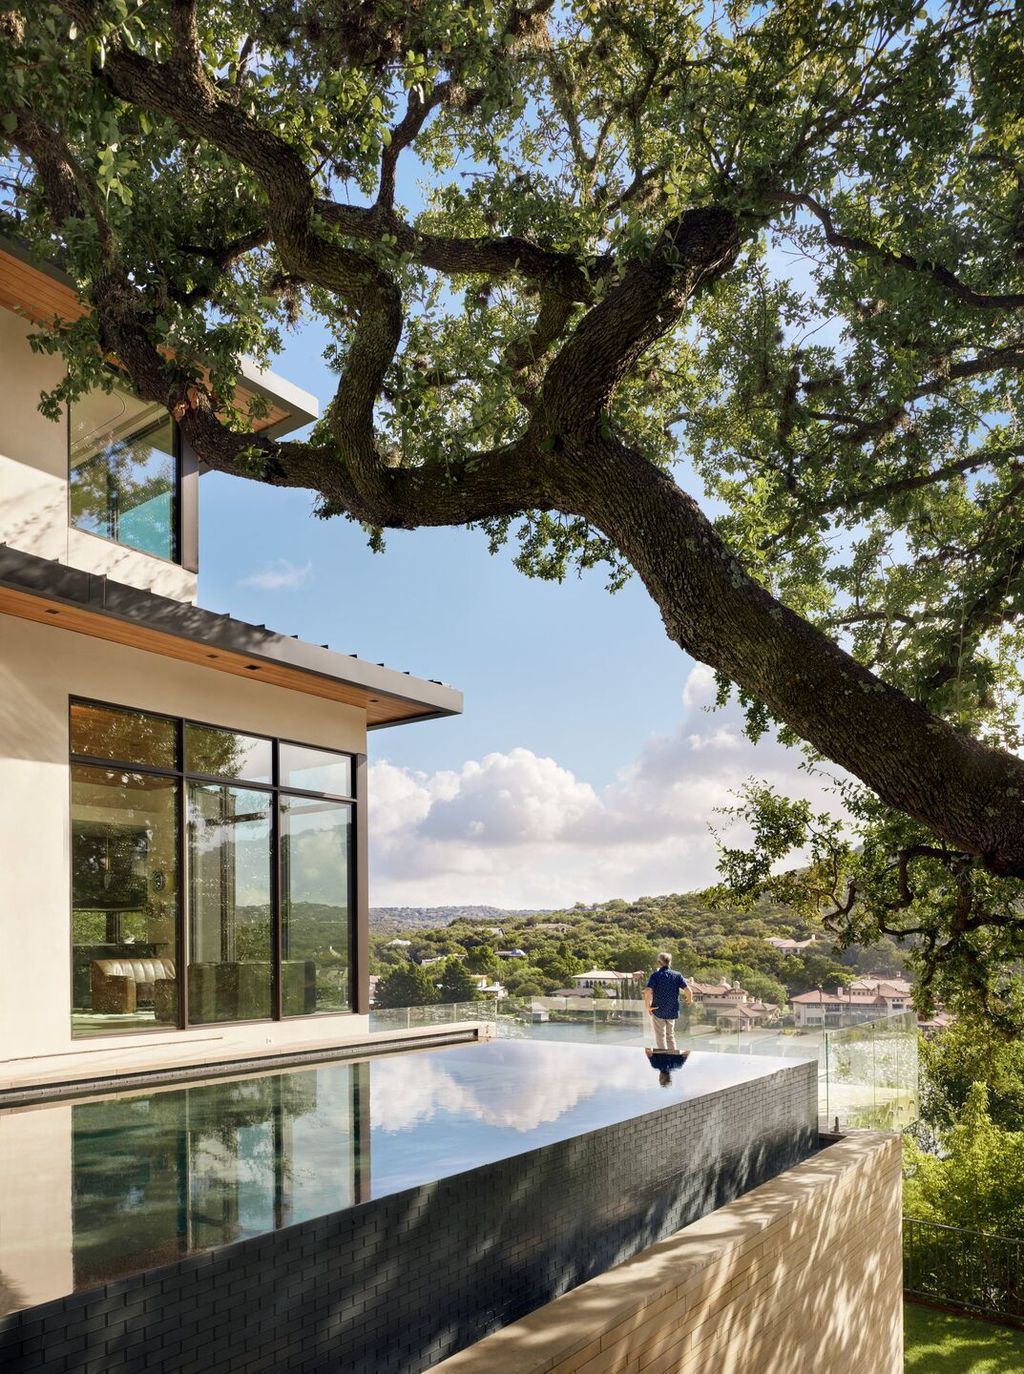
x=316, y=770
x=109, y=732
x=227, y=754
x=230, y=911
x=168, y=1174
x=250, y=937
x=124, y=900
x=123, y=471
x=315, y=929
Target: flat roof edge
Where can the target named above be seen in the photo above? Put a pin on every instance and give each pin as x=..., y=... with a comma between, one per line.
x=302, y=406
x=31, y=575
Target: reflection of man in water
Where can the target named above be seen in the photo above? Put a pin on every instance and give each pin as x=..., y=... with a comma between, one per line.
x=662, y=997
x=664, y=1061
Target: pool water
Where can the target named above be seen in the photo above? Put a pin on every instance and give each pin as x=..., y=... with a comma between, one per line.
x=100, y=1188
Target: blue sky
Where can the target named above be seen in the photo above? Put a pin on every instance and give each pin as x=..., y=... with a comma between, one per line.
x=586, y=766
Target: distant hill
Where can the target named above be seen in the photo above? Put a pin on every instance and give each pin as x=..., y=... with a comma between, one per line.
x=708, y=942
x=425, y=917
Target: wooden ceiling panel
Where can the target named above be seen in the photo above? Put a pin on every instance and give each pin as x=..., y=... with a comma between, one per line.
x=380, y=709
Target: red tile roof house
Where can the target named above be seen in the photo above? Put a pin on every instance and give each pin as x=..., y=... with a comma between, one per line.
x=839, y=1008
x=747, y=1015
x=787, y=945
x=896, y=991
x=708, y=994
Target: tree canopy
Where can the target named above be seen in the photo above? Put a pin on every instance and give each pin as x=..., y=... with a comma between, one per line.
x=583, y=268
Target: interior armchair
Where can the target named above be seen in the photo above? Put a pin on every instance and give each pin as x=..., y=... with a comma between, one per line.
x=123, y=985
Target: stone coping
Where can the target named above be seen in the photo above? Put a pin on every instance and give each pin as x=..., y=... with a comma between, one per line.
x=117, y=1068
x=577, y=1328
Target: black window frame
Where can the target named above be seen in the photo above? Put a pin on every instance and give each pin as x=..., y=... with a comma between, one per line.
x=355, y=877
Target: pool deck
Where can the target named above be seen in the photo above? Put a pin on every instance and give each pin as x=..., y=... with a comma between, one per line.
x=152, y=1060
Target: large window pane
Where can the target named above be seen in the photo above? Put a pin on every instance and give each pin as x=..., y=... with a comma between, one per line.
x=106, y=732
x=230, y=951
x=315, y=916
x=124, y=900
x=316, y=770
x=227, y=754
x=123, y=471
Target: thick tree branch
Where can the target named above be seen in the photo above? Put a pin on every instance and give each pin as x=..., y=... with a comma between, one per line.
x=971, y=795
x=694, y=249
x=493, y=256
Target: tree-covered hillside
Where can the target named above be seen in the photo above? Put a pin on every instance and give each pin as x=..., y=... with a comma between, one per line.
x=707, y=943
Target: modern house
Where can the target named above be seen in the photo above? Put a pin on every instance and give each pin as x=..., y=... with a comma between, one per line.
x=183, y=892
x=183, y=795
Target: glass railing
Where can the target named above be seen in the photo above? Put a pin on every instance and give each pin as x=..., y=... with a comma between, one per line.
x=867, y=1074
x=436, y=1014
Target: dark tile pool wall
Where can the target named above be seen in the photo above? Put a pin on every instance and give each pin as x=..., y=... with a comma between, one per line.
x=397, y=1284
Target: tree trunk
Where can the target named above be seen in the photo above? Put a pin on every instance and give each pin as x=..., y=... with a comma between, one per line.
x=969, y=794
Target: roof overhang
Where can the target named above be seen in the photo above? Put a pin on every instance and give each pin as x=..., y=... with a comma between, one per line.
x=41, y=292
x=49, y=593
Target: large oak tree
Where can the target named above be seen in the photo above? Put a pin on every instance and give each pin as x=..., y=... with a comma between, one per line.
x=774, y=252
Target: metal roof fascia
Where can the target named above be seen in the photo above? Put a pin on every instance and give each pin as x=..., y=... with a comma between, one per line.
x=27, y=573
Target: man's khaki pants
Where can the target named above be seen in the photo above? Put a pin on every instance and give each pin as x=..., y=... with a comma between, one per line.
x=665, y=1034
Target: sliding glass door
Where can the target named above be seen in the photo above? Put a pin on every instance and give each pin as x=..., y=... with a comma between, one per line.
x=230, y=860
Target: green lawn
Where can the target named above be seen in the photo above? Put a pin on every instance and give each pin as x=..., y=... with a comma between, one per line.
x=937, y=1343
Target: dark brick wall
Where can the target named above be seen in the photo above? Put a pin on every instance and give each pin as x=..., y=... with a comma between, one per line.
x=395, y=1285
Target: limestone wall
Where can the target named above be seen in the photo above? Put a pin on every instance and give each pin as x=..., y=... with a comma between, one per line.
x=801, y=1274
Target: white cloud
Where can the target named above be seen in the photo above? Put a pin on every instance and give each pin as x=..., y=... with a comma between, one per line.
x=535, y=1091
x=280, y=575
x=515, y=829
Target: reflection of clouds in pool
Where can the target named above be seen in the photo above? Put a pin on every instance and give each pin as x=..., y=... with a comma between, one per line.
x=533, y=1091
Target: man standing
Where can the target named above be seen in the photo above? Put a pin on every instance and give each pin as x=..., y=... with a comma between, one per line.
x=662, y=997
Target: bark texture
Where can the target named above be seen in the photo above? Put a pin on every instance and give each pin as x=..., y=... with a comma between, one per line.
x=567, y=457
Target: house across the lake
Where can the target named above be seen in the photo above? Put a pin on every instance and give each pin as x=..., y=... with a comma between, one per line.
x=608, y=980
x=183, y=794
x=838, y=1008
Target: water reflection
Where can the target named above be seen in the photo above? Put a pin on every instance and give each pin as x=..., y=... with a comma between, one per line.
x=124, y=1183
x=665, y=1063
x=168, y=1174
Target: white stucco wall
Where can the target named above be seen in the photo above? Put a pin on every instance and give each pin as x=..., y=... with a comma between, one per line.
x=40, y=667
x=36, y=1241
x=34, y=477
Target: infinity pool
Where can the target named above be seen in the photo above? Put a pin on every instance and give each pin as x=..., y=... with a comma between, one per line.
x=94, y=1190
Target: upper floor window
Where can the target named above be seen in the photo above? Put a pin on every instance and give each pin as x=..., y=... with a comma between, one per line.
x=125, y=472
